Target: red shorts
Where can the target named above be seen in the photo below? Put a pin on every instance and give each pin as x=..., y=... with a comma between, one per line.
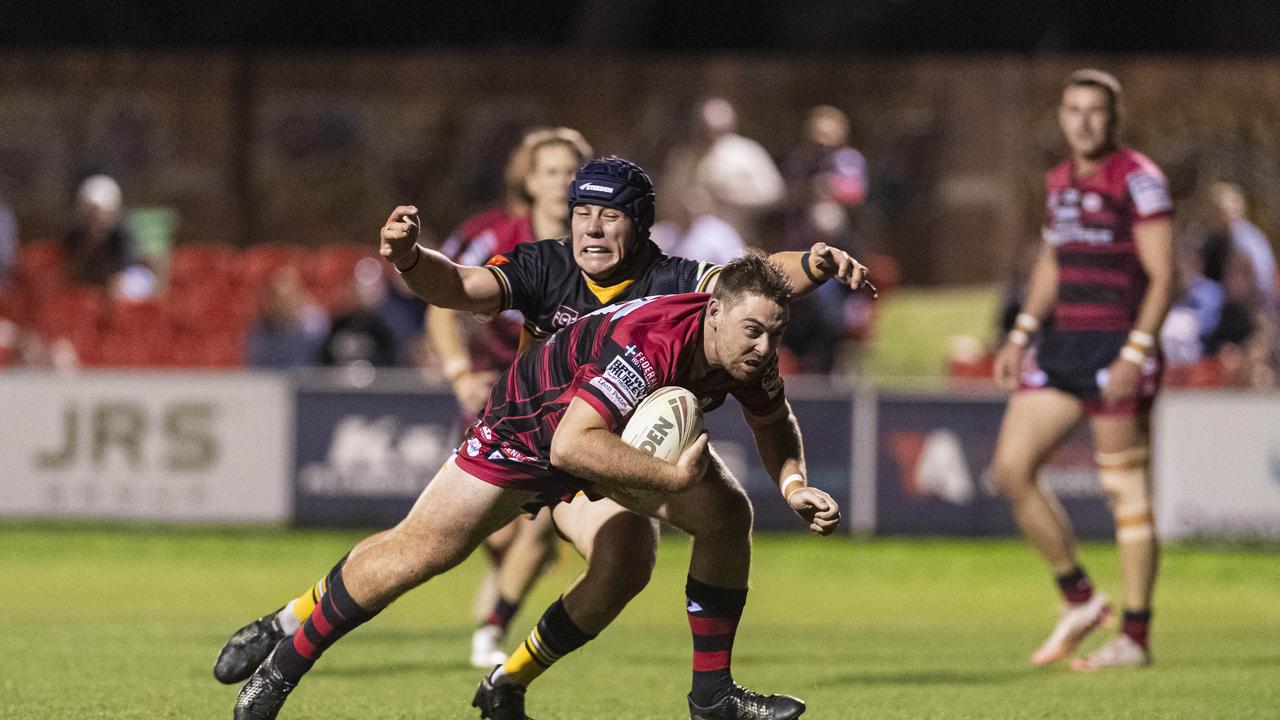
x=497, y=461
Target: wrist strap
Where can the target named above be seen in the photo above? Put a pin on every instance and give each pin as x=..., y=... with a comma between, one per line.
x=417, y=256
x=804, y=265
x=789, y=481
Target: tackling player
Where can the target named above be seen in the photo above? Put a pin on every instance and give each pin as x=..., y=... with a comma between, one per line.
x=1097, y=296
x=549, y=431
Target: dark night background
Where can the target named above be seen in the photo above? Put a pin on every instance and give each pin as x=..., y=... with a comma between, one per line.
x=1241, y=27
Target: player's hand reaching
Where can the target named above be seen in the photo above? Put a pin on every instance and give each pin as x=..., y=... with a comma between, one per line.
x=691, y=466
x=472, y=390
x=840, y=265
x=1122, y=381
x=817, y=508
x=1008, y=365
x=400, y=234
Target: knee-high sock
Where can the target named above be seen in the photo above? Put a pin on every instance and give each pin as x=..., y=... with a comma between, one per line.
x=300, y=608
x=336, y=615
x=713, y=617
x=552, y=638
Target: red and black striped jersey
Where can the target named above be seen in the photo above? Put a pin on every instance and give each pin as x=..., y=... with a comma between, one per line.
x=612, y=358
x=543, y=282
x=1090, y=221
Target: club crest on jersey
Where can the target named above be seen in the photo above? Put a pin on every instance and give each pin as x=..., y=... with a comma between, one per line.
x=564, y=316
x=473, y=447
x=1091, y=202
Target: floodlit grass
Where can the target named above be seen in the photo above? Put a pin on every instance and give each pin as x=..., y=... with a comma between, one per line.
x=915, y=327
x=106, y=622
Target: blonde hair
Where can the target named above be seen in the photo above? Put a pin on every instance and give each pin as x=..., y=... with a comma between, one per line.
x=520, y=164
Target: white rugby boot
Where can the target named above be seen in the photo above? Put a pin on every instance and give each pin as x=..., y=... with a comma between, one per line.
x=486, y=647
x=1076, y=622
x=1120, y=651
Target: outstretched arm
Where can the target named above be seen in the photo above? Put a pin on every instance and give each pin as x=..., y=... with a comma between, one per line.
x=782, y=451
x=432, y=276
x=822, y=262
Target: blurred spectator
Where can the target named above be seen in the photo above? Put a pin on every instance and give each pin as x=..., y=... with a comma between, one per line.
x=98, y=247
x=826, y=180
x=1246, y=238
x=361, y=336
x=737, y=173
x=8, y=243
x=694, y=232
x=290, y=326
x=1195, y=316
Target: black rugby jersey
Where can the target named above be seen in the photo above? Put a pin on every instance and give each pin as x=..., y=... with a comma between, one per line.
x=542, y=281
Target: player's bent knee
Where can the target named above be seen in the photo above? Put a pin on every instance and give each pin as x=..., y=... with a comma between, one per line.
x=1125, y=479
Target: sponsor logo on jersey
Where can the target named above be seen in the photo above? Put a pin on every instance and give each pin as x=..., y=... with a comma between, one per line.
x=485, y=432
x=514, y=454
x=612, y=394
x=627, y=378
x=596, y=188
x=564, y=316
x=1150, y=196
x=639, y=359
x=1091, y=202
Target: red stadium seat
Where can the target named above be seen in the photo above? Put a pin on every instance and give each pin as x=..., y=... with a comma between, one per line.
x=201, y=264
x=74, y=310
x=258, y=262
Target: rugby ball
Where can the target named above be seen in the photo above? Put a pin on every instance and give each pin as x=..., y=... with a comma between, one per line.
x=665, y=423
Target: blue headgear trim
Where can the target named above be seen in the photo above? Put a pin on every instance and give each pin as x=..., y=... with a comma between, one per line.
x=619, y=184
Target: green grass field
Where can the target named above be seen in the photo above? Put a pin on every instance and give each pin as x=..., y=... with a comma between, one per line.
x=107, y=622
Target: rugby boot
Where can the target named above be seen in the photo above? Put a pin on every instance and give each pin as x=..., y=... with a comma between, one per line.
x=486, y=647
x=247, y=648
x=742, y=704
x=1076, y=622
x=262, y=697
x=499, y=701
x=1120, y=651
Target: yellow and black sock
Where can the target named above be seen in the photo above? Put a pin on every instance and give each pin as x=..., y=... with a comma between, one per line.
x=552, y=638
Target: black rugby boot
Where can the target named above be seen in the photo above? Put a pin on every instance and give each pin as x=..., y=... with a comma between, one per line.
x=262, y=697
x=247, y=648
x=499, y=701
x=742, y=704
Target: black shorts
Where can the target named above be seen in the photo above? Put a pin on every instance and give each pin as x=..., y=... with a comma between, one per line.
x=1077, y=362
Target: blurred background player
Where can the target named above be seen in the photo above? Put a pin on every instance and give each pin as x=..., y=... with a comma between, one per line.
x=473, y=353
x=1097, y=295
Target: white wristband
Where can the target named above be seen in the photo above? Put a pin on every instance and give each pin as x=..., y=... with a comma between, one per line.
x=787, y=482
x=1144, y=340
x=1132, y=354
x=1026, y=322
x=1019, y=337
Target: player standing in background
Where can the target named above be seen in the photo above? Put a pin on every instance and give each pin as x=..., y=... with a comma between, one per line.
x=549, y=432
x=1097, y=295
x=472, y=355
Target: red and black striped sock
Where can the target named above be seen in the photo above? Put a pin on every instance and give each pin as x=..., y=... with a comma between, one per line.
x=335, y=616
x=713, y=617
x=502, y=612
x=1076, y=587
x=1137, y=623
